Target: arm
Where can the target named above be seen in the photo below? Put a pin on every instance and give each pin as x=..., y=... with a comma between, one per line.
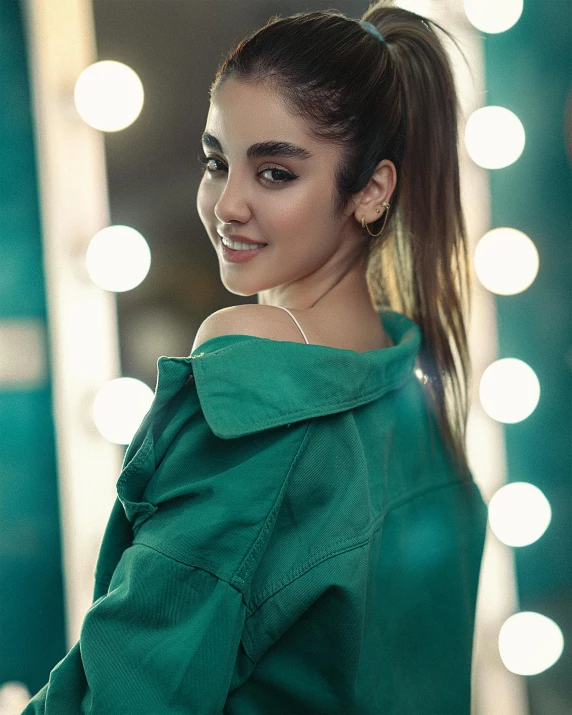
x=162, y=641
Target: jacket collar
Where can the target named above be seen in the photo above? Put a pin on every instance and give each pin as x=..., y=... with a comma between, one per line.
x=246, y=384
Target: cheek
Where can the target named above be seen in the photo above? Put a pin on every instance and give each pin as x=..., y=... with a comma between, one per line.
x=306, y=215
x=206, y=202
x=289, y=212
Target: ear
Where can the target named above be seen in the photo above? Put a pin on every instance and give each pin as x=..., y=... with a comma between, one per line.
x=378, y=189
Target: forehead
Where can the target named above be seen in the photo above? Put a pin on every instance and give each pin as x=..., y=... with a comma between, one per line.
x=243, y=113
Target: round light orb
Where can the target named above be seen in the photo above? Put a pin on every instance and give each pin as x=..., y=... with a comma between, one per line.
x=118, y=258
x=108, y=95
x=14, y=696
x=493, y=16
x=494, y=137
x=509, y=390
x=420, y=7
x=506, y=261
x=519, y=514
x=119, y=408
x=529, y=643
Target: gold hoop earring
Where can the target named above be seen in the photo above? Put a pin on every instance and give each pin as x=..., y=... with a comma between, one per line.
x=364, y=225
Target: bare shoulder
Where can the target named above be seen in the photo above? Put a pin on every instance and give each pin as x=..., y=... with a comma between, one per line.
x=261, y=321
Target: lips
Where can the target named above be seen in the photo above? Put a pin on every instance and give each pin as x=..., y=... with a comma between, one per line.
x=240, y=256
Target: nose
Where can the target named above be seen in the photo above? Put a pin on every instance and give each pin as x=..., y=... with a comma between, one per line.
x=233, y=204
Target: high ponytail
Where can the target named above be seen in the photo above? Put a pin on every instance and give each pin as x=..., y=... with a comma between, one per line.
x=427, y=256
x=391, y=100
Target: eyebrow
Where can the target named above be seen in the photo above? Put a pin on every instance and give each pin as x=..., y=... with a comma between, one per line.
x=262, y=149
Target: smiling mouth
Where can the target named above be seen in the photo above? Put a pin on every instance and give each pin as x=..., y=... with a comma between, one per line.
x=241, y=245
x=240, y=255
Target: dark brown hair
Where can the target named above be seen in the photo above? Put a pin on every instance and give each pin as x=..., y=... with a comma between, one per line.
x=391, y=100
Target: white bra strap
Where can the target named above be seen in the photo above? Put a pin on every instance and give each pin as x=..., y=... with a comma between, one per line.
x=294, y=319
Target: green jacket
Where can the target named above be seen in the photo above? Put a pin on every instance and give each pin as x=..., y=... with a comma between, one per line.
x=284, y=541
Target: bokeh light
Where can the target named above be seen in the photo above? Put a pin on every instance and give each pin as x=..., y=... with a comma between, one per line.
x=493, y=16
x=108, y=95
x=519, y=513
x=119, y=408
x=506, y=261
x=14, y=696
x=509, y=390
x=420, y=7
x=529, y=643
x=118, y=258
x=494, y=137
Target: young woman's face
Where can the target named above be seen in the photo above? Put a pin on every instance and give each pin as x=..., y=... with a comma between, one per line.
x=281, y=194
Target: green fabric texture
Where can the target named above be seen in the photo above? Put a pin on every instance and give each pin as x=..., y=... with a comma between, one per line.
x=287, y=538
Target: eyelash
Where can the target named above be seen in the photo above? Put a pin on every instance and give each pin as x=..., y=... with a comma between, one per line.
x=288, y=176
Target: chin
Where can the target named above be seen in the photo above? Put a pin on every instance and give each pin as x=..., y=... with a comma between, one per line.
x=237, y=288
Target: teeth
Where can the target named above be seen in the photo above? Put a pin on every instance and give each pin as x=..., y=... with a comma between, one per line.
x=237, y=246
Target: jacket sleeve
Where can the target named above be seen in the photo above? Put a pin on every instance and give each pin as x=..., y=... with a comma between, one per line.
x=191, y=521
x=163, y=640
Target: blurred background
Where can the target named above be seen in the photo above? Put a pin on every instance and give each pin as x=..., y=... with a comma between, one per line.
x=105, y=266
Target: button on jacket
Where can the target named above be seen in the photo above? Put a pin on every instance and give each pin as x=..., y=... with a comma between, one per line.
x=289, y=537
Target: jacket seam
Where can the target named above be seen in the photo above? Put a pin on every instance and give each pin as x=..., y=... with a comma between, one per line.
x=216, y=575
x=141, y=454
x=205, y=570
x=235, y=579
x=271, y=517
x=345, y=545
x=342, y=546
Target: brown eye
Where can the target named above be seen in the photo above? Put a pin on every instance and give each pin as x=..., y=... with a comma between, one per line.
x=283, y=176
x=206, y=160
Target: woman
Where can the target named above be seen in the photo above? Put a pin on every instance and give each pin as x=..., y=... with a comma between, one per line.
x=297, y=529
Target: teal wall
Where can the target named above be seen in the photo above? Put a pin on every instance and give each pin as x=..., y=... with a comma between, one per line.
x=529, y=71
x=32, y=624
